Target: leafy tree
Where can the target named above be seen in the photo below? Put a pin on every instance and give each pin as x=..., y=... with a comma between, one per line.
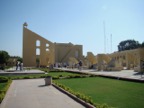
x=20, y=59
x=128, y=45
x=142, y=45
x=4, y=56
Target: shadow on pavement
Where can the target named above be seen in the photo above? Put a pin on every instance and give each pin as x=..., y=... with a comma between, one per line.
x=42, y=86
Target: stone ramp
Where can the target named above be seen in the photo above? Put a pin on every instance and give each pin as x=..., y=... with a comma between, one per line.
x=33, y=93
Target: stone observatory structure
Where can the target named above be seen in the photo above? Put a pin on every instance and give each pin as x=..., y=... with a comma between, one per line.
x=40, y=51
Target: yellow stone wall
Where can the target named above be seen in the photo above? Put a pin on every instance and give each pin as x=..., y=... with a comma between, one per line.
x=128, y=59
x=50, y=52
x=102, y=60
x=64, y=51
x=91, y=58
x=29, y=49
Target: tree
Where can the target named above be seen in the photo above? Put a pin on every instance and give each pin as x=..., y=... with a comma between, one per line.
x=4, y=56
x=128, y=45
x=20, y=59
x=142, y=45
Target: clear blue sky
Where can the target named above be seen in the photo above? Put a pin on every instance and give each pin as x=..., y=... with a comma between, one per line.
x=75, y=21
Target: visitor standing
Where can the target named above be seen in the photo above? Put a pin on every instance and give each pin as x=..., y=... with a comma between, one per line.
x=21, y=66
x=17, y=65
x=80, y=65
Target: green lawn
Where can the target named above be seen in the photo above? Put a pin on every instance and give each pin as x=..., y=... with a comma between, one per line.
x=116, y=93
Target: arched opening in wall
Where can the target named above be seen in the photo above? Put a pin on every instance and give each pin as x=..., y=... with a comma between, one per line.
x=37, y=43
x=47, y=49
x=123, y=57
x=37, y=62
x=37, y=51
x=47, y=45
x=47, y=61
x=76, y=53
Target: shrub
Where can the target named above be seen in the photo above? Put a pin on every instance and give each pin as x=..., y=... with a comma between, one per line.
x=4, y=90
x=1, y=96
x=3, y=79
x=60, y=75
x=77, y=94
x=81, y=96
x=27, y=77
x=55, y=77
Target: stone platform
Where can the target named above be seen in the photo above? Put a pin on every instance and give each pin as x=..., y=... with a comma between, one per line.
x=129, y=75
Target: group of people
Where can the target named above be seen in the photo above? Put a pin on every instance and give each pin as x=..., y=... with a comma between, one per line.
x=19, y=65
x=66, y=65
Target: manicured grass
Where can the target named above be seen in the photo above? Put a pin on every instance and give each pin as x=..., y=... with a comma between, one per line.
x=4, y=87
x=116, y=93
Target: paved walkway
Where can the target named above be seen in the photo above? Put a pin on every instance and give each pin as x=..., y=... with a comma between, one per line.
x=33, y=94
x=129, y=74
x=12, y=71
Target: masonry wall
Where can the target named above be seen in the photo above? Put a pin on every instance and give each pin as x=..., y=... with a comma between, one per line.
x=45, y=49
x=47, y=52
x=63, y=51
x=129, y=58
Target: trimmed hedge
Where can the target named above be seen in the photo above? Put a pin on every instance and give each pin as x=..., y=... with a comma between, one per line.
x=4, y=90
x=81, y=96
x=3, y=79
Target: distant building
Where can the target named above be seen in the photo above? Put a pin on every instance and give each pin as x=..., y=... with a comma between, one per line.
x=129, y=59
x=12, y=61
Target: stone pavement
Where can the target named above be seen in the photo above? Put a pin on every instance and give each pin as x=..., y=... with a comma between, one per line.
x=33, y=93
x=12, y=71
x=127, y=74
